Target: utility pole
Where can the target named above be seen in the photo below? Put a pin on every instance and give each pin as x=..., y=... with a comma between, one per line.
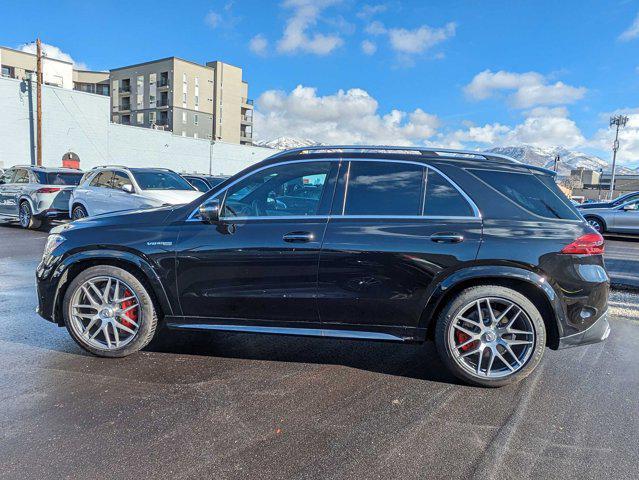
x=619, y=121
x=39, y=103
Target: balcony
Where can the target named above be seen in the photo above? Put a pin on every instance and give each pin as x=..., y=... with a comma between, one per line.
x=246, y=136
x=125, y=89
x=163, y=83
x=163, y=104
x=247, y=101
x=125, y=107
x=246, y=119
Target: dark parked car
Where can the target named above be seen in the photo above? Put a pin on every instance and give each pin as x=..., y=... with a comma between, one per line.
x=628, y=197
x=204, y=183
x=474, y=250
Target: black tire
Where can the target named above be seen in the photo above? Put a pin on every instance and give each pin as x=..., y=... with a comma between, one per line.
x=460, y=302
x=597, y=224
x=78, y=212
x=147, y=322
x=27, y=220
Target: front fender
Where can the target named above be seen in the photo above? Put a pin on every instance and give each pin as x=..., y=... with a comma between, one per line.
x=485, y=273
x=58, y=275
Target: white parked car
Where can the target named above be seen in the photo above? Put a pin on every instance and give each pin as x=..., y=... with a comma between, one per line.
x=113, y=189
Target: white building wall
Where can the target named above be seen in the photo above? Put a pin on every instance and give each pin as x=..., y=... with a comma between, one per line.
x=79, y=122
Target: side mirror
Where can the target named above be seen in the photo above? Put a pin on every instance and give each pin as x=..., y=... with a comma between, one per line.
x=128, y=188
x=210, y=211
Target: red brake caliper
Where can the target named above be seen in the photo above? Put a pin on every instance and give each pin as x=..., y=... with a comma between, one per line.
x=463, y=337
x=131, y=314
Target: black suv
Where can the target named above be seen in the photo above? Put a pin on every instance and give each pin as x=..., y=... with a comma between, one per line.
x=481, y=253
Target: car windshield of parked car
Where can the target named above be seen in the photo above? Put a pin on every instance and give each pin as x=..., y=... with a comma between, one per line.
x=160, y=180
x=198, y=183
x=59, y=178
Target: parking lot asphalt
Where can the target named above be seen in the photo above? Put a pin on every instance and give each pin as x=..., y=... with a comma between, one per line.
x=247, y=406
x=622, y=261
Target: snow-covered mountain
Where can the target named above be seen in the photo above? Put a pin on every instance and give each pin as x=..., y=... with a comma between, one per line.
x=568, y=159
x=283, y=143
x=541, y=157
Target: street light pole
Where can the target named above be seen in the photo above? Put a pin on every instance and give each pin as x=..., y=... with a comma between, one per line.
x=39, y=103
x=619, y=121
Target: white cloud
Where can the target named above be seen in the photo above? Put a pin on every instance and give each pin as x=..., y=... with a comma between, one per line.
x=297, y=38
x=631, y=32
x=368, y=47
x=367, y=11
x=542, y=127
x=51, y=51
x=528, y=89
x=419, y=40
x=345, y=117
x=376, y=28
x=258, y=44
x=213, y=19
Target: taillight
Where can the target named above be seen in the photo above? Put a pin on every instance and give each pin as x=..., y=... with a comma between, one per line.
x=588, y=244
x=48, y=190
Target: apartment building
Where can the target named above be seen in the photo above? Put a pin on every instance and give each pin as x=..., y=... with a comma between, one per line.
x=201, y=101
x=59, y=73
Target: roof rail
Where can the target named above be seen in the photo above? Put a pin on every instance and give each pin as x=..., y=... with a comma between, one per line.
x=108, y=166
x=425, y=151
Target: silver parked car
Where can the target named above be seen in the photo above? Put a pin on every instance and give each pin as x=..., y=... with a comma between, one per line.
x=33, y=195
x=113, y=189
x=620, y=219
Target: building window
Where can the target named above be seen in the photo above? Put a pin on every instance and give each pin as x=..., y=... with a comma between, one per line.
x=184, y=99
x=151, y=118
x=126, y=119
x=195, y=119
x=164, y=79
x=184, y=118
x=140, y=118
x=140, y=91
x=195, y=135
x=8, y=71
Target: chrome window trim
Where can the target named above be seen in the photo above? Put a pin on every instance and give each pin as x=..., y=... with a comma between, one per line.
x=356, y=217
x=474, y=208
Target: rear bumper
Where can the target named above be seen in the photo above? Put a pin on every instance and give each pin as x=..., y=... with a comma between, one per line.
x=52, y=214
x=596, y=333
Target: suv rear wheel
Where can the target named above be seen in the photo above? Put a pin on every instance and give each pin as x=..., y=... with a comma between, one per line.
x=490, y=336
x=25, y=215
x=108, y=312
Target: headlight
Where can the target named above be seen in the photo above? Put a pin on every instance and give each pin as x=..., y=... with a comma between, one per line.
x=52, y=242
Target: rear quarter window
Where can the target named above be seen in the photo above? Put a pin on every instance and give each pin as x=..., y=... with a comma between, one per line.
x=538, y=194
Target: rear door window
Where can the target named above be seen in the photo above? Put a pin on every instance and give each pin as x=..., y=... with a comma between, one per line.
x=102, y=179
x=444, y=200
x=537, y=194
x=22, y=176
x=384, y=188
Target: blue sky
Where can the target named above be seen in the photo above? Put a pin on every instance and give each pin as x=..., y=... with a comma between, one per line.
x=384, y=71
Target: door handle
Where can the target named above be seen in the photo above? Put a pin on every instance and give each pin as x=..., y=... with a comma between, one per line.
x=298, y=237
x=447, y=237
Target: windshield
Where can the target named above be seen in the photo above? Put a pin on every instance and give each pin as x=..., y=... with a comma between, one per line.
x=161, y=180
x=59, y=178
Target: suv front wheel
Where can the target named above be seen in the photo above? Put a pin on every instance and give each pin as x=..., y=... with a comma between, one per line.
x=109, y=312
x=490, y=336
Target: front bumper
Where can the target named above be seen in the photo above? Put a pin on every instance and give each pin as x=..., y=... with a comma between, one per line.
x=596, y=333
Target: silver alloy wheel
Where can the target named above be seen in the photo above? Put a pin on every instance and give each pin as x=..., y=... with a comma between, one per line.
x=78, y=212
x=105, y=313
x=24, y=215
x=491, y=338
x=595, y=224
